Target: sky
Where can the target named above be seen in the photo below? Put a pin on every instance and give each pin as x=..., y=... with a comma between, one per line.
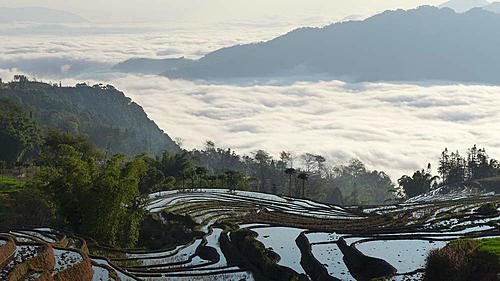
x=200, y=11
x=393, y=127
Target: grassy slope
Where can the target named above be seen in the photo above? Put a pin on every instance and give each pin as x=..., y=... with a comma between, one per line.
x=491, y=246
x=7, y=186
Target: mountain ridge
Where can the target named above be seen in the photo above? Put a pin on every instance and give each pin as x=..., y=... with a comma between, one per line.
x=38, y=15
x=423, y=44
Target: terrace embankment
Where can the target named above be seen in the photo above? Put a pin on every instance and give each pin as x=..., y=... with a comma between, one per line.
x=235, y=257
x=311, y=265
x=245, y=250
x=39, y=260
x=43, y=261
x=81, y=271
x=362, y=267
x=7, y=250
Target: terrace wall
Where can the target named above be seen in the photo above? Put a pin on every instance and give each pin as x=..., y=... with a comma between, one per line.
x=362, y=267
x=255, y=254
x=7, y=250
x=315, y=269
x=79, y=272
x=43, y=261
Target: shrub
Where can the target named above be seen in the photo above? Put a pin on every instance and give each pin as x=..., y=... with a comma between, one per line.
x=462, y=260
x=487, y=209
x=164, y=230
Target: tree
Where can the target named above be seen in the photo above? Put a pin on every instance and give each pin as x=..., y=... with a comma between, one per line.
x=19, y=135
x=236, y=180
x=455, y=169
x=309, y=160
x=116, y=199
x=176, y=165
x=286, y=158
x=262, y=157
x=303, y=176
x=95, y=197
x=263, y=160
x=29, y=208
x=21, y=79
x=200, y=172
x=320, y=163
x=420, y=183
x=290, y=172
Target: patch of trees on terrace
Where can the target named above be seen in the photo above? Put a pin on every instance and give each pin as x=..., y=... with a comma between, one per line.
x=308, y=175
x=454, y=170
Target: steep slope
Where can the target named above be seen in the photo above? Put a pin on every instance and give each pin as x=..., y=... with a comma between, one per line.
x=110, y=119
x=427, y=43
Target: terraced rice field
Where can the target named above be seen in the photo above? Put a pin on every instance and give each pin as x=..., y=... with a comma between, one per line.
x=309, y=238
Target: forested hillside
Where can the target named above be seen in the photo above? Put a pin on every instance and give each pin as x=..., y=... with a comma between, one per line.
x=110, y=119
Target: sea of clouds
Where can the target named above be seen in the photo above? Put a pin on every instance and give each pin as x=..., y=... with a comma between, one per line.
x=394, y=127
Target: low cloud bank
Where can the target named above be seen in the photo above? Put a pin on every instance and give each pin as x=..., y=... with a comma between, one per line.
x=392, y=127
x=397, y=128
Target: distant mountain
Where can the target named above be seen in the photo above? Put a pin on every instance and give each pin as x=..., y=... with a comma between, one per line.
x=461, y=6
x=38, y=15
x=110, y=119
x=151, y=66
x=493, y=7
x=427, y=43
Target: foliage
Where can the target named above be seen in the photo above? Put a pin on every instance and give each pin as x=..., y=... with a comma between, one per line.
x=325, y=183
x=290, y=172
x=360, y=185
x=454, y=168
x=27, y=208
x=95, y=197
x=105, y=115
x=9, y=185
x=303, y=176
x=164, y=230
x=19, y=135
x=488, y=209
x=421, y=182
x=464, y=260
x=491, y=246
x=172, y=171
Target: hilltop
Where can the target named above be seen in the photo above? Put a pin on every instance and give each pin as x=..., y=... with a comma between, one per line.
x=111, y=120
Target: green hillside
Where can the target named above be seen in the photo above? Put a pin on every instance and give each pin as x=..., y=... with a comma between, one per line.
x=111, y=120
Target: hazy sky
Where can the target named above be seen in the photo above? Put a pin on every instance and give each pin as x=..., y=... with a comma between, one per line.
x=218, y=10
